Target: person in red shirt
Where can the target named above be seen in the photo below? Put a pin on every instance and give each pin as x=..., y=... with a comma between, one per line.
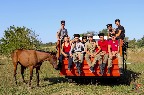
x=113, y=49
x=66, y=46
x=104, y=51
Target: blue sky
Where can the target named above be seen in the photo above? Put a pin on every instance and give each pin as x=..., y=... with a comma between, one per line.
x=44, y=16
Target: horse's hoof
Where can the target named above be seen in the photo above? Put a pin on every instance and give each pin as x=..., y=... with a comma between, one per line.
x=16, y=83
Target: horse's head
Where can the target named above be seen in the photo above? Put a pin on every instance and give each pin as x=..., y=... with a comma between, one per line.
x=53, y=59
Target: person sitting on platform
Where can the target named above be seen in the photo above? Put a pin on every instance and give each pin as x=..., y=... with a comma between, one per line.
x=76, y=52
x=104, y=51
x=90, y=48
x=66, y=46
x=113, y=49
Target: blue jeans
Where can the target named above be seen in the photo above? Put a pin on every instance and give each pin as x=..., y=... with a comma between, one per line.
x=70, y=60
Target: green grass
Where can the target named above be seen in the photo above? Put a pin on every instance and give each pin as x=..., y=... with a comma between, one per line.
x=53, y=84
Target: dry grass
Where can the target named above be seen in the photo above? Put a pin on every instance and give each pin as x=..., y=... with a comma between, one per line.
x=136, y=55
x=53, y=84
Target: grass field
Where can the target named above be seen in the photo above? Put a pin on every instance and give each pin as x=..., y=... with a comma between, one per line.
x=53, y=84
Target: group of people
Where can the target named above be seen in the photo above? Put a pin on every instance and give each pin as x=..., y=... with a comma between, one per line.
x=101, y=51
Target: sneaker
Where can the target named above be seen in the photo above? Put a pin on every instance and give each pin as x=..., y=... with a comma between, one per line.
x=79, y=72
x=108, y=71
x=69, y=69
x=91, y=69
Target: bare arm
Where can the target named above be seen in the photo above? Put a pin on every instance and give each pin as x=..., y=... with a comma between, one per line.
x=109, y=49
x=119, y=32
x=57, y=35
x=99, y=49
x=118, y=49
x=108, y=35
x=71, y=41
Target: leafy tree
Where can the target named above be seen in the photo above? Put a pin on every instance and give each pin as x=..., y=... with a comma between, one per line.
x=132, y=43
x=88, y=32
x=18, y=38
x=104, y=31
x=140, y=42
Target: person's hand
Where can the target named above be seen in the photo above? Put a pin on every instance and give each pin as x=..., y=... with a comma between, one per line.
x=104, y=52
x=70, y=55
x=92, y=55
x=65, y=55
x=114, y=54
x=110, y=54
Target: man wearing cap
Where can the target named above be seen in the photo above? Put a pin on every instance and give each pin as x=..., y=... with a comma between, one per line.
x=84, y=40
x=77, y=50
x=113, y=49
x=110, y=31
x=90, y=48
x=120, y=31
x=104, y=51
x=62, y=31
x=60, y=34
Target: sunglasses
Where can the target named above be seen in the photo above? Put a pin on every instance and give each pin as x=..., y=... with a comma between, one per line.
x=76, y=38
x=90, y=37
x=63, y=24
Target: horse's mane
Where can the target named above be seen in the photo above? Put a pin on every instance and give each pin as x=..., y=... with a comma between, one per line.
x=51, y=52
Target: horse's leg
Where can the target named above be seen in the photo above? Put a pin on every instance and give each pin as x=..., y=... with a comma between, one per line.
x=37, y=74
x=31, y=75
x=22, y=73
x=15, y=69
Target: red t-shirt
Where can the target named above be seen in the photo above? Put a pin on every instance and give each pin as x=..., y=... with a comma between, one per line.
x=114, y=45
x=66, y=49
x=103, y=45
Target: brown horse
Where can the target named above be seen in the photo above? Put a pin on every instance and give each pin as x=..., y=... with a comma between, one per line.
x=32, y=59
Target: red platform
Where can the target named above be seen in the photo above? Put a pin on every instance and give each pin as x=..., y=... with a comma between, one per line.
x=85, y=69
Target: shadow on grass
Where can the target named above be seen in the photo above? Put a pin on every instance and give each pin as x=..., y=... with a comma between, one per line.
x=2, y=64
x=55, y=80
x=126, y=79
